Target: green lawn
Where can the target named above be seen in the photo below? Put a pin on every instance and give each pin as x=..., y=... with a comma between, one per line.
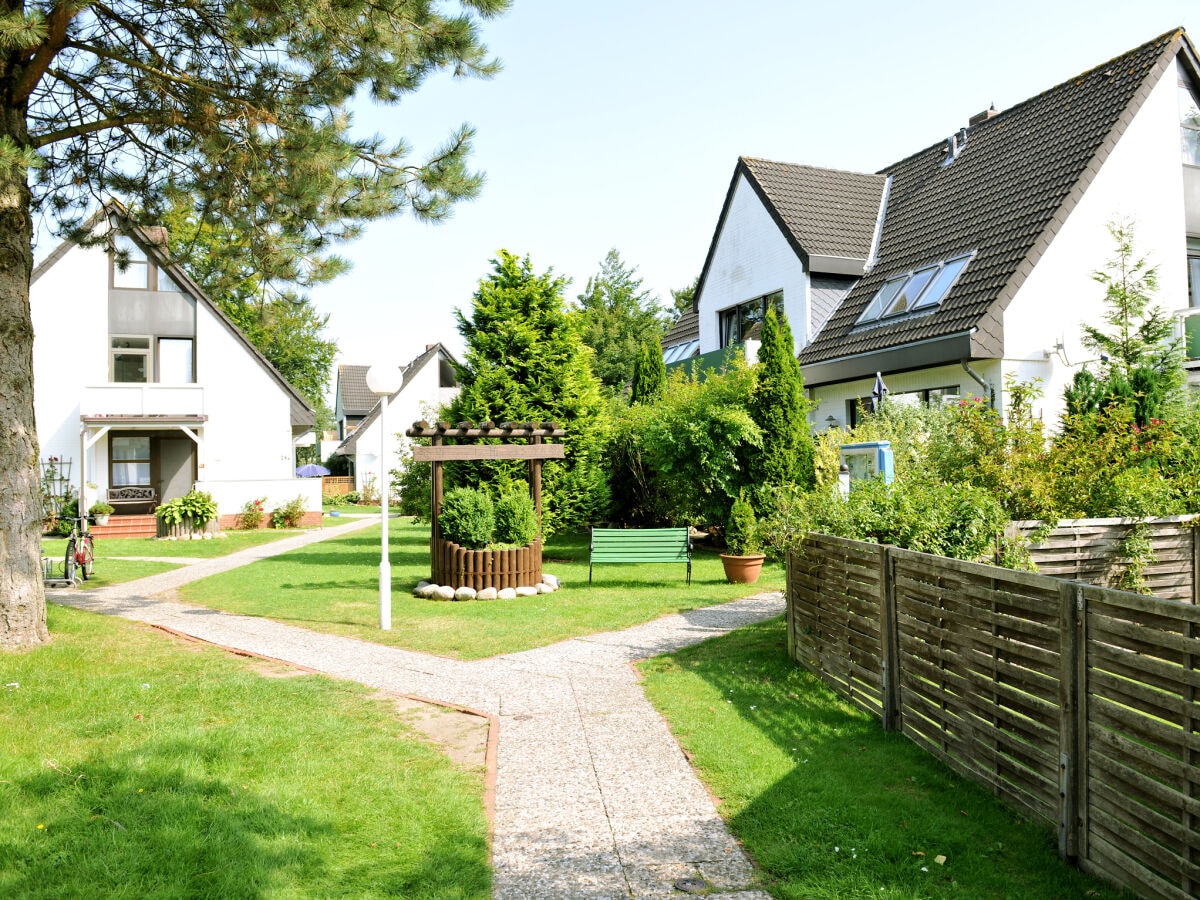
x=829, y=804
x=135, y=765
x=333, y=586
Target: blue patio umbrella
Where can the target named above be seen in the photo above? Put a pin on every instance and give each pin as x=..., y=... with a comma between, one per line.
x=312, y=470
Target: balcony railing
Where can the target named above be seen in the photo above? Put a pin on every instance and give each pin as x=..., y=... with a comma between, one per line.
x=142, y=400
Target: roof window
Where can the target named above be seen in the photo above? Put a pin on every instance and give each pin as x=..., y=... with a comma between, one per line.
x=914, y=291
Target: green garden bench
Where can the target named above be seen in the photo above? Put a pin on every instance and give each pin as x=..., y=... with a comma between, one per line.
x=641, y=545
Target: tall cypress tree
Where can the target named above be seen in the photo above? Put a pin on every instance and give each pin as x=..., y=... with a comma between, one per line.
x=525, y=362
x=780, y=409
x=649, y=373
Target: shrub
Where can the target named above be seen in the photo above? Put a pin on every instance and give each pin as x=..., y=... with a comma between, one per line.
x=516, y=520
x=252, y=514
x=67, y=510
x=100, y=508
x=411, y=484
x=370, y=490
x=197, y=507
x=352, y=497
x=741, y=531
x=289, y=515
x=468, y=517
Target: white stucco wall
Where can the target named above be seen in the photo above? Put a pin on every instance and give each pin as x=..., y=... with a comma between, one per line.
x=752, y=258
x=422, y=392
x=1142, y=182
x=69, y=307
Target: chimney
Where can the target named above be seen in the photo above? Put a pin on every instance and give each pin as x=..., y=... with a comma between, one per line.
x=157, y=235
x=983, y=116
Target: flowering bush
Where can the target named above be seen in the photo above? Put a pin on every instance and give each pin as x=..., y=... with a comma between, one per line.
x=252, y=514
x=289, y=515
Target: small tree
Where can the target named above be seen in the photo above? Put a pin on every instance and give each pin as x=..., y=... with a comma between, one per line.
x=780, y=410
x=649, y=373
x=1141, y=365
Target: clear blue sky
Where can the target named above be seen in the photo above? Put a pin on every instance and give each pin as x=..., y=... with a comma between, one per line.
x=618, y=124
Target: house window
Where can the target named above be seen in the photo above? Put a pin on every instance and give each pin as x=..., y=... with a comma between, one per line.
x=130, y=360
x=929, y=396
x=133, y=270
x=130, y=461
x=175, y=361
x=922, y=289
x=736, y=322
x=1189, y=124
x=1194, y=272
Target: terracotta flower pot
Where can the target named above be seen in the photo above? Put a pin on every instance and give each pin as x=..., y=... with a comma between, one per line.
x=742, y=569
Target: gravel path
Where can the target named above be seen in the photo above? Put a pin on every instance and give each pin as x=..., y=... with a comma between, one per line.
x=593, y=796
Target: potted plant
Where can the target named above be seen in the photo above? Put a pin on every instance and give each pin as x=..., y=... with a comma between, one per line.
x=100, y=511
x=743, y=563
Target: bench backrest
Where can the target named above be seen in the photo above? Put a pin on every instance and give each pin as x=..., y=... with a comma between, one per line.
x=640, y=545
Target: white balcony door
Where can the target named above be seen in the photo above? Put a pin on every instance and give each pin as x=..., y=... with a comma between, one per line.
x=175, y=361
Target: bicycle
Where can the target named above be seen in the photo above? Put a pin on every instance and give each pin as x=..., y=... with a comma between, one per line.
x=81, y=552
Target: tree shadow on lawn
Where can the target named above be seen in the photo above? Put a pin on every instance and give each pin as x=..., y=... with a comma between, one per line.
x=136, y=824
x=860, y=809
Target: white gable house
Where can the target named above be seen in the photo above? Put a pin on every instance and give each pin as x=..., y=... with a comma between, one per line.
x=149, y=390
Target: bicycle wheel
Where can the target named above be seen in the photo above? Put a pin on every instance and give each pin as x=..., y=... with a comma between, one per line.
x=86, y=557
x=69, y=562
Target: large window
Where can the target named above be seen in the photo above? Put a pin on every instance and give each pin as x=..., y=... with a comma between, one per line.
x=735, y=323
x=915, y=291
x=1194, y=272
x=130, y=461
x=1189, y=123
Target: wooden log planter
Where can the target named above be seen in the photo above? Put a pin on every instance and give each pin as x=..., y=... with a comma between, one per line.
x=456, y=566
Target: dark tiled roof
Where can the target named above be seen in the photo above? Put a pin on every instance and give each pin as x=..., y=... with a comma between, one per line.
x=686, y=328
x=828, y=212
x=1018, y=176
x=357, y=398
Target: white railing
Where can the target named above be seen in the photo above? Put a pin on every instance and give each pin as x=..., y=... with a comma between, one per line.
x=142, y=400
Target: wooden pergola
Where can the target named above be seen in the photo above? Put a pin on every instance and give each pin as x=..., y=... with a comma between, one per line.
x=534, y=450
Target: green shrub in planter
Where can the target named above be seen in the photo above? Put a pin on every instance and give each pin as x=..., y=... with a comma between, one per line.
x=100, y=508
x=196, y=506
x=516, y=520
x=468, y=518
x=741, y=530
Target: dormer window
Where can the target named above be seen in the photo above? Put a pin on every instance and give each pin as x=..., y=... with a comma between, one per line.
x=922, y=289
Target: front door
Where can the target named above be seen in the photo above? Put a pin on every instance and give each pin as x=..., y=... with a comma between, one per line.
x=176, y=467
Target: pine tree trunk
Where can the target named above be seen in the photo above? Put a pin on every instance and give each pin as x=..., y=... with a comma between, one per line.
x=22, y=596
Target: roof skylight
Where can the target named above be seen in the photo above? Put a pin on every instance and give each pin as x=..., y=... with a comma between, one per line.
x=919, y=290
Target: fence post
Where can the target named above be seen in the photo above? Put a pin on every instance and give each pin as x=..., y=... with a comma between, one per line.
x=890, y=641
x=1072, y=701
x=789, y=619
x=1195, y=530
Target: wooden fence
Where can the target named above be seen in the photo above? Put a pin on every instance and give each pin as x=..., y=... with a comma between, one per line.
x=336, y=485
x=1075, y=703
x=1090, y=550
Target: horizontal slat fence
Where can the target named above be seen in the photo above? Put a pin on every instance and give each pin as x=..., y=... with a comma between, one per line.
x=1090, y=550
x=1077, y=704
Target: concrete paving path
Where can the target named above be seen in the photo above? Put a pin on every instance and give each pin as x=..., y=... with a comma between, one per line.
x=593, y=796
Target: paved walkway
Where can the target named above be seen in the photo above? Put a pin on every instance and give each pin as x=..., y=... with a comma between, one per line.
x=593, y=798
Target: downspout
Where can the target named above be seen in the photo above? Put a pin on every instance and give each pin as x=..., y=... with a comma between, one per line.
x=988, y=390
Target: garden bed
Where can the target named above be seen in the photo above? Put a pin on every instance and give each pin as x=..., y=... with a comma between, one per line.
x=457, y=566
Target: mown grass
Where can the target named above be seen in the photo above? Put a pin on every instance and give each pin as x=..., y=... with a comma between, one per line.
x=829, y=804
x=333, y=587
x=134, y=765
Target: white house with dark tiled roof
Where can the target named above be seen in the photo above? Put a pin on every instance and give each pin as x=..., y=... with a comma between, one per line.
x=149, y=389
x=430, y=382
x=971, y=260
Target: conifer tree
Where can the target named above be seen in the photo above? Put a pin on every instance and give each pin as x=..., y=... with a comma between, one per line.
x=649, y=373
x=243, y=106
x=525, y=362
x=780, y=410
x=615, y=317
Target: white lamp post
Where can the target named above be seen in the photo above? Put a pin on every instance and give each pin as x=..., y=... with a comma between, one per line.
x=384, y=379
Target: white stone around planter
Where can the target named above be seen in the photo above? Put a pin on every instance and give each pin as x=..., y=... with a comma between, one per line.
x=506, y=594
x=488, y=593
x=526, y=591
x=551, y=580
x=544, y=588
x=465, y=593
x=444, y=592
x=425, y=590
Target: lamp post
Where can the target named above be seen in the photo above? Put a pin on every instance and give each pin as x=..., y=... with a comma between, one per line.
x=384, y=380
